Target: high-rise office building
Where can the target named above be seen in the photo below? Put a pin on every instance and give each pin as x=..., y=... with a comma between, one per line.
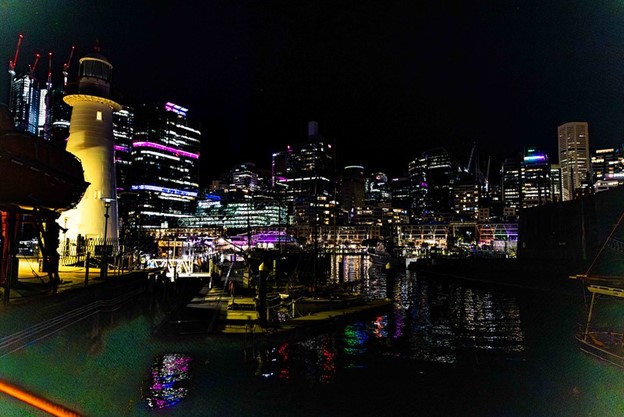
x=377, y=190
x=401, y=193
x=244, y=178
x=25, y=102
x=123, y=131
x=352, y=187
x=511, y=185
x=535, y=189
x=433, y=177
x=305, y=173
x=164, y=173
x=574, y=158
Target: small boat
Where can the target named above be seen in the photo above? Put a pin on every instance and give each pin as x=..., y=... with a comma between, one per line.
x=601, y=335
x=602, y=342
x=169, y=380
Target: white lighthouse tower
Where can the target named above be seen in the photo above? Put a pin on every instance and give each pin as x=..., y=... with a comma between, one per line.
x=91, y=140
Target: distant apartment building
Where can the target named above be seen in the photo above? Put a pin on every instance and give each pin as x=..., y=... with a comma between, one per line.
x=466, y=196
x=574, y=157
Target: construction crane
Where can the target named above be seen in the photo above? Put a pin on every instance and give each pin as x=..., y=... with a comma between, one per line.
x=48, y=100
x=49, y=82
x=487, y=174
x=31, y=71
x=12, y=65
x=474, y=145
x=66, y=66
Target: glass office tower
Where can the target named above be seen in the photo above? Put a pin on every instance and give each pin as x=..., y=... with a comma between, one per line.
x=164, y=173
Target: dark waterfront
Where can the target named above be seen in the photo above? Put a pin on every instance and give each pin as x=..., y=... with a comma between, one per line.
x=448, y=348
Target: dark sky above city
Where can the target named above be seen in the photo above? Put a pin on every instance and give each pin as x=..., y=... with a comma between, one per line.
x=385, y=80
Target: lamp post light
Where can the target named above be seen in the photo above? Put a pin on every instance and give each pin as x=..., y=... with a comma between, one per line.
x=104, y=264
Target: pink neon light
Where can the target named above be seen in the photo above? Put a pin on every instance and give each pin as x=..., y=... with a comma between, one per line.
x=165, y=148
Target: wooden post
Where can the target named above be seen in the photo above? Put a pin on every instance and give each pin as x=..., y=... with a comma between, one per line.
x=389, y=281
x=262, y=290
x=87, y=260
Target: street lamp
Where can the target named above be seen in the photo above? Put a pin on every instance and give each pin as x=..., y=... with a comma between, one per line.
x=104, y=264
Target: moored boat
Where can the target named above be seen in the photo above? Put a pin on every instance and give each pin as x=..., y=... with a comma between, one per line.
x=601, y=334
x=602, y=342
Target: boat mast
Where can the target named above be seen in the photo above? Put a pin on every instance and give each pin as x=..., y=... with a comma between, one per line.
x=589, y=316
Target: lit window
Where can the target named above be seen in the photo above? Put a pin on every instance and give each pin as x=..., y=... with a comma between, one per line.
x=98, y=116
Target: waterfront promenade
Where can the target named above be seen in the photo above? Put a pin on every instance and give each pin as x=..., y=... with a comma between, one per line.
x=33, y=310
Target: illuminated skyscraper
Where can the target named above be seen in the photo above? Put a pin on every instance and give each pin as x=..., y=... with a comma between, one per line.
x=608, y=168
x=352, y=187
x=535, y=189
x=164, y=172
x=574, y=158
x=433, y=176
x=25, y=102
x=91, y=140
x=123, y=131
x=306, y=172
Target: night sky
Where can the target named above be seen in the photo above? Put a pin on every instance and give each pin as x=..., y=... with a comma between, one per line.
x=386, y=80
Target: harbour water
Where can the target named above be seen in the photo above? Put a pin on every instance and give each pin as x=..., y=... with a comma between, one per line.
x=447, y=348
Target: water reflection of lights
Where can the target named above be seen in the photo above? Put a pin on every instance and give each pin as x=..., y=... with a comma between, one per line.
x=433, y=321
x=315, y=358
x=449, y=327
x=380, y=326
x=169, y=374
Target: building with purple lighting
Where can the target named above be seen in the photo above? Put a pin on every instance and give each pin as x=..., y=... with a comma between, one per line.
x=537, y=186
x=163, y=177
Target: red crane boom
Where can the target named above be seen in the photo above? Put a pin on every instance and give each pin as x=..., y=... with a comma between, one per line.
x=13, y=63
x=33, y=66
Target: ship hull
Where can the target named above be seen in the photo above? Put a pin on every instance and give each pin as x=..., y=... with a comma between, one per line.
x=36, y=174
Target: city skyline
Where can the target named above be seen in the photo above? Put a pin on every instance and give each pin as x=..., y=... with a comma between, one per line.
x=384, y=83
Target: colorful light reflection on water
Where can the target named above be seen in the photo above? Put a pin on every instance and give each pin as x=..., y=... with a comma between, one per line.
x=169, y=372
x=448, y=348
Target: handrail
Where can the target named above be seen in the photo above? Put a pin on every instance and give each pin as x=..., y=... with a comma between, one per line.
x=47, y=327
